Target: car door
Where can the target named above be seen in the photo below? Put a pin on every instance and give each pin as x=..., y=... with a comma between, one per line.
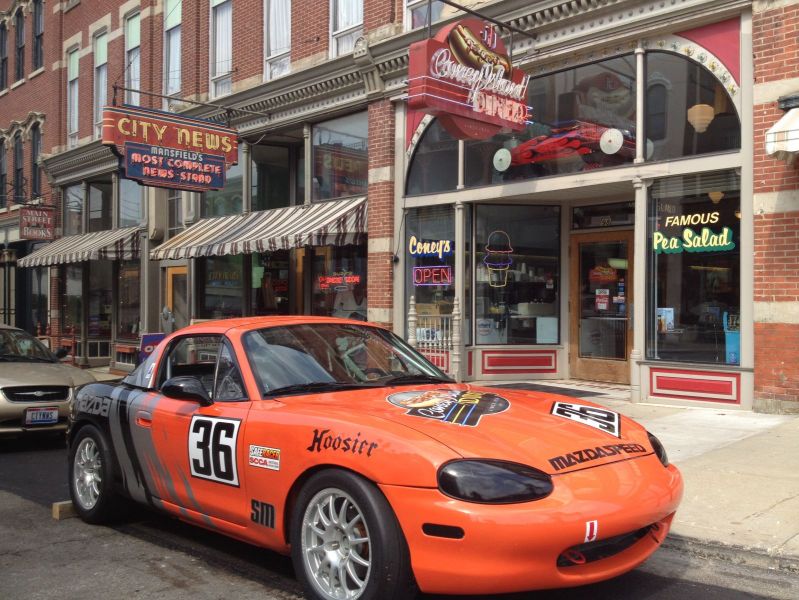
x=203, y=443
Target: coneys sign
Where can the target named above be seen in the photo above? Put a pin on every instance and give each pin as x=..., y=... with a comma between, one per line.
x=464, y=77
x=166, y=150
x=36, y=222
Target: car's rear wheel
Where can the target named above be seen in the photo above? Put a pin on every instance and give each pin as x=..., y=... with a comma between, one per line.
x=346, y=542
x=91, y=477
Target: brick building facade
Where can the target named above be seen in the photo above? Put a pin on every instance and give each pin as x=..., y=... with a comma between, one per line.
x=319, y=100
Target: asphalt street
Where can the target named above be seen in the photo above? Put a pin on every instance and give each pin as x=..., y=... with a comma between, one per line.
x=151, y=556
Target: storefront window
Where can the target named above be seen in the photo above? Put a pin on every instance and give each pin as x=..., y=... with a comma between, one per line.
x=339, y=281
x=434, y=167
x=228, y=200
x=40, y=299
x=222, y=291
x=129, y=300
x=340, y=157
x=517, y=274
x=100, y=298
x=270, y=283
x=73, y=210
x=130, y=203
x=100, y=204
x=271, y=177
x=73, y=299
x=688, y=110
x=694, y=269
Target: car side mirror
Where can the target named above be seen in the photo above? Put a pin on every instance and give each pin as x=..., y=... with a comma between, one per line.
x=61, y=353
x=186, y=388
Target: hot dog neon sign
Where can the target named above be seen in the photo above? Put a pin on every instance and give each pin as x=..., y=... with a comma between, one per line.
x=465, y=78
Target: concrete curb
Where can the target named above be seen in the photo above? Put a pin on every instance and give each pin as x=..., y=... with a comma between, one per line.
x=737, y=555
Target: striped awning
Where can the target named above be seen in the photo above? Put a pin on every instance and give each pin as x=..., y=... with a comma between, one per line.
x=335, y=223
x=116, y=244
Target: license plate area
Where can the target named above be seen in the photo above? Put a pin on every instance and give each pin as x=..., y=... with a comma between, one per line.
x=41, y=416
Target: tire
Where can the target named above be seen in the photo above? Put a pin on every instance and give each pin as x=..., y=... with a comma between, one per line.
x=91, y=477
x=369, y=549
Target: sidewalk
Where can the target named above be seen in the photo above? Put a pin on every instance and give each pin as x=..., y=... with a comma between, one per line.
x=741, y=472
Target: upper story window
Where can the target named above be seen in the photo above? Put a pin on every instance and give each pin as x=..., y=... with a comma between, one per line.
x=73, y=209
x=38, y=34
x=230, y=199
x=19, y=169
x=73, y=64
x=133, y=58
x=36, y=150
x=100, y=81
x=131, y=211
x=278, y=38
x=346, y=25
x=100, y=203
x=340, y=157
x=3, y=174
x=175, y=223
x=221, y=47
x=19, y=26
x=3, y=56
x=416, y=12
x=172, y=72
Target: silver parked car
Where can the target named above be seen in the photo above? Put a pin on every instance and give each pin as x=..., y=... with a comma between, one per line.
x=35, y=388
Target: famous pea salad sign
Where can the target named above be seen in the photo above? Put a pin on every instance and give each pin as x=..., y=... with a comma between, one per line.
x=693, y=232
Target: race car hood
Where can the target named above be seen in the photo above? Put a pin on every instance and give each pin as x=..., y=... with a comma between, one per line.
x=553, y=433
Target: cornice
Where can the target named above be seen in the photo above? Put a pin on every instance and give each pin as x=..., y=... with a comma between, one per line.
x=79, y=163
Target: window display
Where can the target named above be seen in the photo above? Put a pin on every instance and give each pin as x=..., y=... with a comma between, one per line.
x=339, y=282
x=99, y=298
x=517, y=274
x=694, y=266
x=270, y=283
x=129, y=300
x=221, y=290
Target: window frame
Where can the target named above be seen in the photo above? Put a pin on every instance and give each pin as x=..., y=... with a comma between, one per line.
x=19, y=169
x=270, y=59
x=3, y=174
x=19, y=45
x=97, y=105
x=218, y=80
x=336, y=34
x=168, y=59
x=72, y=111
x=36, y=149
x=38, y=34
x=132, y=53
x=3, y=55
x=411, y=5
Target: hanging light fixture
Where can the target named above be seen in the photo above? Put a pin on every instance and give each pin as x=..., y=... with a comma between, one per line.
x=700, y=116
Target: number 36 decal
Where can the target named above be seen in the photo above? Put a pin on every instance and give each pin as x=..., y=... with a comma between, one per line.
x=212, y=449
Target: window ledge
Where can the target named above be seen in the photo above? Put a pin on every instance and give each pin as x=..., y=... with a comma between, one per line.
x=70, y=4
x=3, y=92
x=671, y=364
x=16, y=84
x=38, y=71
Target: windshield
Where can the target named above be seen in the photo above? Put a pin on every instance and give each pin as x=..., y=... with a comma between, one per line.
x=318, y=355
x=16, y=344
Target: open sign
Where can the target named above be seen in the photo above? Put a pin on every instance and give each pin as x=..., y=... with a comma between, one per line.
x=148, y=344
x=433, y=275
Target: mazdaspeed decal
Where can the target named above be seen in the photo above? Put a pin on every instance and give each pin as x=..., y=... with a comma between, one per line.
x=450, y=406
x=588, y=454
x=212, y=449
x=265, y=458
x=598, y=418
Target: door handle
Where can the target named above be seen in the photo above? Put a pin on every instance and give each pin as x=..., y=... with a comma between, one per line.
x=144, y=419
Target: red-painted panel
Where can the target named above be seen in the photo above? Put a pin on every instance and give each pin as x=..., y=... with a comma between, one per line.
x=695, y=385
x=502, y=362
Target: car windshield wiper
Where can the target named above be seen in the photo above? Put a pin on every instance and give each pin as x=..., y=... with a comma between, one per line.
x=417, y=378
x=316, y=386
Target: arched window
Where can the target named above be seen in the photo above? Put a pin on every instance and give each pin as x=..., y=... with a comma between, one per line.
x=19, y=65
x=38, y=34
x=656, y=98
x=19, y=169
x=434, y=166
x=36, y=149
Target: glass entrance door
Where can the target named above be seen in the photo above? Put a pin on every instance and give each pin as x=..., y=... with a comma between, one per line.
x=601, y=293
x=177, y=298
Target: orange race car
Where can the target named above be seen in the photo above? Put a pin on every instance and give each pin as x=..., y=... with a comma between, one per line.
x=336, y=442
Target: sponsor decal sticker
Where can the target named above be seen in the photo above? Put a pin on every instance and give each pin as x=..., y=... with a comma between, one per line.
x=598, y=418
x=324, y=440
x=588, y=454
x=264, y=457
x=591, y=530
x=262, y=513
x=450, y=406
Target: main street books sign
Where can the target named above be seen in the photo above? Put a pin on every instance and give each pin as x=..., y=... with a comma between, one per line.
x=464, y=76
x=166, y=150
x=36, y=222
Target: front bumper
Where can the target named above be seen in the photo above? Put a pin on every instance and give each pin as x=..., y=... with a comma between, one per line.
x=513, y=548
x=12, y=418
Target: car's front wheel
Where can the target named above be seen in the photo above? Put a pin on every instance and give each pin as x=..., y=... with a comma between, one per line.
x=346, y=542
x=91, y=477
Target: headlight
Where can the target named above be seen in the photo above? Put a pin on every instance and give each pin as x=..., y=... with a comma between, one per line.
x=659, y=449
x=493, y=481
